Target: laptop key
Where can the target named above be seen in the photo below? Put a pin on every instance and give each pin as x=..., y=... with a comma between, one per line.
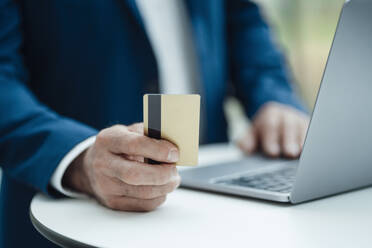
x=277, y=181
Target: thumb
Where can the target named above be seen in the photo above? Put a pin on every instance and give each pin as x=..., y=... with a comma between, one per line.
x=248, y=143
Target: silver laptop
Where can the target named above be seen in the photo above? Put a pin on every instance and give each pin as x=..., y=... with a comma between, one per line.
x=337, y=154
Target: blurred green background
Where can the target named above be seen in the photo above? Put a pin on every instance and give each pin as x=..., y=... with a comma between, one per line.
x=304, y=30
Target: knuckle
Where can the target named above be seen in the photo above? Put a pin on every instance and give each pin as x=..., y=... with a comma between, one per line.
x=137, y=127
x=133, y=142
x=271, y=122
x=116, y=127
x=102, y=136
x=107, y=133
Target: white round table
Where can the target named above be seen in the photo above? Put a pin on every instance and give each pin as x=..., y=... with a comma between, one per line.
x=198, y=219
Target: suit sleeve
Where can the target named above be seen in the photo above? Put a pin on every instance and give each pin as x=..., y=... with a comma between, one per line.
x=33, y=138
x=257, y=68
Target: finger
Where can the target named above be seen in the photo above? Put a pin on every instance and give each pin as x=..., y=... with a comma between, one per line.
x=119, y=188
x=302, y=134
x=269, y=136
x=248, y=144
x=120, y=140
x=289, y=136
x=137, y=173
x=133, y=204
x=137, y=128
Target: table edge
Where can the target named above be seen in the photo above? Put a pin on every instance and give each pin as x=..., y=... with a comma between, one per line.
x=55, y=237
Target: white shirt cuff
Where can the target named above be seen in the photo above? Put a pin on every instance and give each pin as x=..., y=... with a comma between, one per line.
x=56, y=180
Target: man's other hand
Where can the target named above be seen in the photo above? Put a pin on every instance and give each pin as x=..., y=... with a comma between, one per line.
x=278, y=130
x=114, y=172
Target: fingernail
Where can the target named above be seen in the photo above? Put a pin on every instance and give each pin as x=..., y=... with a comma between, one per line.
x=274, y=149
x=173, y=155
x=293, y=149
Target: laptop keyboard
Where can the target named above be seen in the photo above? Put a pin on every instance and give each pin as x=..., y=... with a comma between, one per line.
x=277, y=181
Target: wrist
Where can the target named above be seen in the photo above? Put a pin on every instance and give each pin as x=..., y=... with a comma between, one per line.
x=76, y=176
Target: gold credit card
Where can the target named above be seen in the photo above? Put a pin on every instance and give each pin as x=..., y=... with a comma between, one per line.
x=174, y=118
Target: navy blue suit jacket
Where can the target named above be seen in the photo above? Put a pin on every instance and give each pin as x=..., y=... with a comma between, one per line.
x=71, y=67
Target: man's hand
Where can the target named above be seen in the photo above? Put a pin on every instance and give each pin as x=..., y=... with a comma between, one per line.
x=278, y=130
x=114, y=172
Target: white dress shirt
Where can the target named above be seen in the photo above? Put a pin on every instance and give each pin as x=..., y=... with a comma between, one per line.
x=170, y=34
